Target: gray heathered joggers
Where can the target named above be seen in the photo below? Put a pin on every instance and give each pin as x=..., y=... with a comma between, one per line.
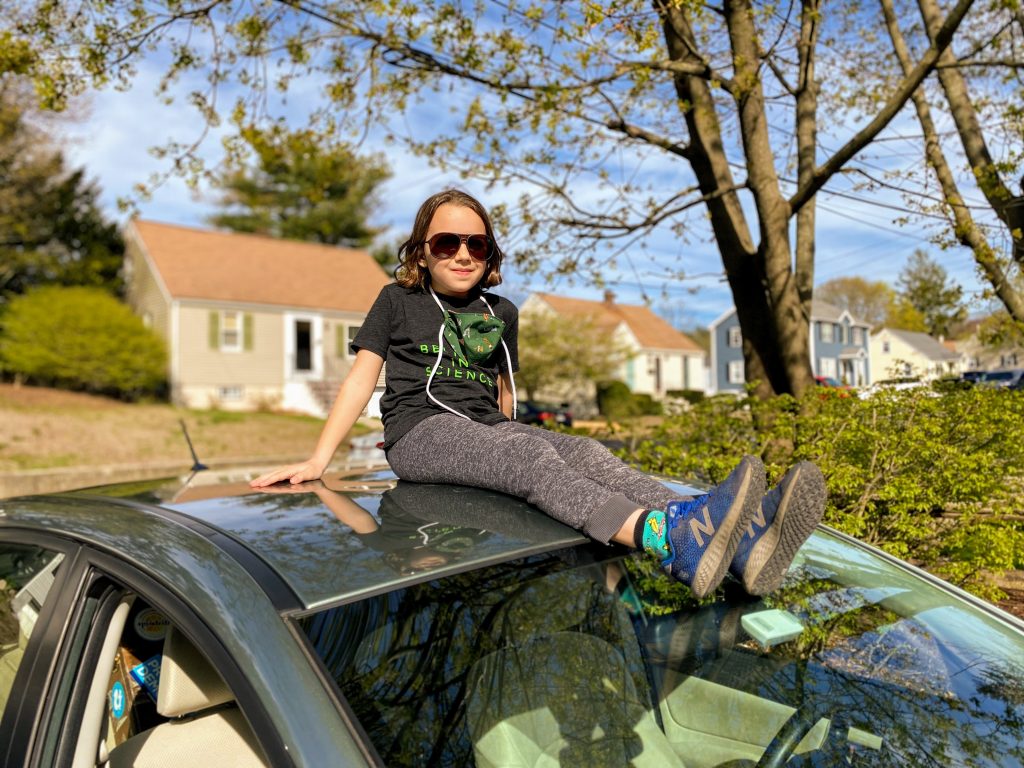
x=575, y=480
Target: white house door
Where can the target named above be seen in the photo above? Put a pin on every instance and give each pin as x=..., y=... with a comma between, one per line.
x=303, y=347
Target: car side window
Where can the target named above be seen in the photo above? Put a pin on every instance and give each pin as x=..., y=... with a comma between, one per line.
x=152, y=697
x=26, y=576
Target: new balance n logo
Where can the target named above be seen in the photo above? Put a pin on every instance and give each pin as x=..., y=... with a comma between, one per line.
x=758, y=520
x=697, y=527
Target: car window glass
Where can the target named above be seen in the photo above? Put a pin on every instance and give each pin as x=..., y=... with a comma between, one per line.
x=588, y=657
x=195, y=723
x=166, y=704
x=26, y=576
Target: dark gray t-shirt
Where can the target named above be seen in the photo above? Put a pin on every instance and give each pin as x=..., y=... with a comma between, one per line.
x=402, y=327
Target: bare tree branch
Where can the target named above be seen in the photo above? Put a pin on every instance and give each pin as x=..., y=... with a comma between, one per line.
x=940, y=42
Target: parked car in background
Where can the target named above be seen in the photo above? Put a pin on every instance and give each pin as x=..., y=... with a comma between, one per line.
x=892, y=385
x=828, y=382
x=531, y=412
x=365, y=621
x=972, y=377
x=1007, y=379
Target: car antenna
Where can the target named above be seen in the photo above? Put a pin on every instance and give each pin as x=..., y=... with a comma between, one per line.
x=197, y=465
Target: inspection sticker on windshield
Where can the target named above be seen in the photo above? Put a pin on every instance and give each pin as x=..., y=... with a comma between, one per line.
x=147, y=675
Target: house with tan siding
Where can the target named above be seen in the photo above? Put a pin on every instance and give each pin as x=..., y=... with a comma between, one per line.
x=664, y=358
x=250, y=321
x=896, y=354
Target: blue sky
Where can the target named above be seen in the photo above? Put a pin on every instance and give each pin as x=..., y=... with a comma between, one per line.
x=856, y=230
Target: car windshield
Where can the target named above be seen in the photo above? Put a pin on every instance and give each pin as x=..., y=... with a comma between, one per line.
x=590, y=656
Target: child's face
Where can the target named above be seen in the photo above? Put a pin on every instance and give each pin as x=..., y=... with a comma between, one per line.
x=459, y=274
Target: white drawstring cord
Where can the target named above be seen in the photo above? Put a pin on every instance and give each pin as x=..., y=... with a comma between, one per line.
x=508, y=363
x=440, y=355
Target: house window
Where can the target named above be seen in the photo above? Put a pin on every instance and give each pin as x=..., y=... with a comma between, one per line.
x=344, y=336
x=886, y=348
x=230, y=331
x=352, y=331
x=734, y=373
x=826, y=332
x=233, y=392
x=734, y=337
x=858, y=337
x=827, y=367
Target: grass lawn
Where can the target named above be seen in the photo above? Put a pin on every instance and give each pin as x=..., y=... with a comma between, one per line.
x=44, y=428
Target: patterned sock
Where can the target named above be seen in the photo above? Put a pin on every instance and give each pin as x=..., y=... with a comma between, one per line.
x=650, y=533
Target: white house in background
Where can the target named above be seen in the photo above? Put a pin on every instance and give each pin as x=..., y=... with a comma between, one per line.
x=665, y=359
x=896, y=354
x=250, y=321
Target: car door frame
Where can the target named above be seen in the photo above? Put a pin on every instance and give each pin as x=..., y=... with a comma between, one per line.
x=39, y=682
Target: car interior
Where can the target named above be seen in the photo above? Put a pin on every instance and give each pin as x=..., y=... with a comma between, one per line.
x=155, y=700
x=555, y=668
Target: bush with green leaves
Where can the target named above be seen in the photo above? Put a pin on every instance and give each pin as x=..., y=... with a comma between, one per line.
x=689, y=395
x=81, y=338
x=616, y=401
x=935, y=477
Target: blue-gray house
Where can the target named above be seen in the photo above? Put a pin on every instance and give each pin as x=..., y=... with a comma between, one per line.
x=839, y=348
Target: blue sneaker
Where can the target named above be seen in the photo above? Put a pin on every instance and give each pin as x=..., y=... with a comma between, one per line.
x=703, y=533
x=787, y=516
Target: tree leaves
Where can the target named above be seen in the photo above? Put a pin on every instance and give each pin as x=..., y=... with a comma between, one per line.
x=300, y=188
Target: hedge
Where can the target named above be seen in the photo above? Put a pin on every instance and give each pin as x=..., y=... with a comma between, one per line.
x=935, y=476
x=81, y=338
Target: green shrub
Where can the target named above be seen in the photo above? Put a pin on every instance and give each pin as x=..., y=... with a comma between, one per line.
x=614, y=400
x=645, y=405
x=81, y=338
x=934, y=477
x=692, y=396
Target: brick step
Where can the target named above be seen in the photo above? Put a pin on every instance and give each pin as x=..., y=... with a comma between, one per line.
x=324, y=391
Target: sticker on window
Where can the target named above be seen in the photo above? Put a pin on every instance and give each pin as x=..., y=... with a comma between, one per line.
x=150, y=624
x=118, y=699
x=147, y=675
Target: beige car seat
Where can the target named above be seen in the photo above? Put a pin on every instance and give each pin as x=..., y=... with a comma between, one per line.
x=203, y=731
x=561, y=699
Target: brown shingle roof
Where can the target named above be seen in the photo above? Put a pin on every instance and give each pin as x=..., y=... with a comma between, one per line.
x=650, y=330
x=228, y=266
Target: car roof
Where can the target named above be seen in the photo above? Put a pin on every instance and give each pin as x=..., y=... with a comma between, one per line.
x=299, y=535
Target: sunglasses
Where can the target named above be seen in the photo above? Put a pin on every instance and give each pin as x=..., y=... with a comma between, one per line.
x=444, y=245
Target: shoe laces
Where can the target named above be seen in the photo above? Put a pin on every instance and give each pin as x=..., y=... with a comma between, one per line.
x=681, y=510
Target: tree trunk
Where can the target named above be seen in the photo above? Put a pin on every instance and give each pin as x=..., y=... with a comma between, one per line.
x=985, y=171
x=806, y=151
x=791, y=371
x=771, y=332
x=967, y=230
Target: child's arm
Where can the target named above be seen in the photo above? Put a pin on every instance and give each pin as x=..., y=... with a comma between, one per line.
x=352, y=398
x=505, y=394
x=346, y=510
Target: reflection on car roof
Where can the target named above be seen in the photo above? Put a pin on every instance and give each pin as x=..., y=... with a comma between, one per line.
x=420, y=531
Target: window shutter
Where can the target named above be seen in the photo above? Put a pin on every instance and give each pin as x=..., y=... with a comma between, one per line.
x=340, y=340
x=247, y=331
x=214, y=328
